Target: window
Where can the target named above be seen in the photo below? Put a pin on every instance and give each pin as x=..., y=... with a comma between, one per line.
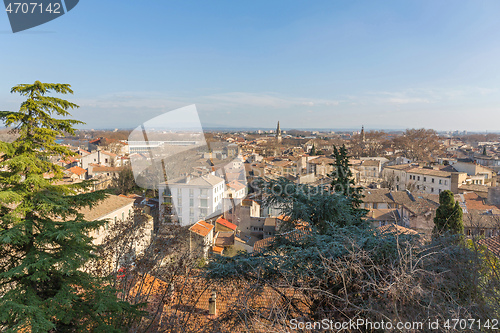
x=191, y=192
x=204, y=192
x=433, y=180
x=191, y=202
x=418, y=187
x=446, y=182
x=425, y=179
x=440, y=181
x=440, y=191
x=375, y=205
x=432, y=189
x=203, y=203
x=418, y=178
x=191, y=212
x=115, y=219
x=179, y=201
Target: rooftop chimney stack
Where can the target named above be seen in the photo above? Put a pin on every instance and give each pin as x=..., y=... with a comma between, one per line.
x=212, y=304
x=493, y=196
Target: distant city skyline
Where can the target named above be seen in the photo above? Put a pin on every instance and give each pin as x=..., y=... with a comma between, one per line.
x=321, y=64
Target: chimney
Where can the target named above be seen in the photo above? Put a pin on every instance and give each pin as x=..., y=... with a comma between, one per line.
x=493, y=196
x=212, y=304
x=455, y=182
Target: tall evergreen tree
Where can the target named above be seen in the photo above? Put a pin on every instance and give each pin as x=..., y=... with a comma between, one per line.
x=342, y=177
x=449, y=215
x=313, y=151
x=44, y=239
x=125, y=181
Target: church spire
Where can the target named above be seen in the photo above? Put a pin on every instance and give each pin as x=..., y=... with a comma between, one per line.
x=278, y=132
x=363, y=133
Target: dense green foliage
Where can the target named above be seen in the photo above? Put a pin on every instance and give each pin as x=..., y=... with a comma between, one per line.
x=44, y=240
x=449, y=215
x=337, y=269
x=313, y=151
x=311, y=206
x=342, y=179
x=125, y=183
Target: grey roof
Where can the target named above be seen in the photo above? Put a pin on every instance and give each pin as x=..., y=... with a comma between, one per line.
x=418, y=203
x=205, y=180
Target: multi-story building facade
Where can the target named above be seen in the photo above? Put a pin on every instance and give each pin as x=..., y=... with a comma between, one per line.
x=434, y=181
x=396, y=177
x=429, y=180
x=193, y=199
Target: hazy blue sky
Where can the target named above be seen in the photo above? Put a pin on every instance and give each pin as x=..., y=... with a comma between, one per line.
x=322, y=64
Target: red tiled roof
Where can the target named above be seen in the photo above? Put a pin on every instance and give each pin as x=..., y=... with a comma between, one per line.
x=236, y=185
x=201, y=228
x=77, y=170
x=68, y=160
x=226, y=223
x=474, y=201
x=293, y=235
x=493, y=244
x=217, y=249
x=394, y=228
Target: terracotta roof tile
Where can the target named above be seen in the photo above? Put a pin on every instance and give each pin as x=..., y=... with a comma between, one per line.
x=475, y=202
x=77, y=170
x=493, y=244
x=226, y=223
x=201, y=228
x=394, y=228
x=105, y=207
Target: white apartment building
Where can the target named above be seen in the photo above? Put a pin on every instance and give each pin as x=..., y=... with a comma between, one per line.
x=432, y=181
x=194, y=199
x=396, y=176
x=98, y=157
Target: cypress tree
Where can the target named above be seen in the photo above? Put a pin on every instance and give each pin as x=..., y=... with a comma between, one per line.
x=44, y=240
x=313, y=151
x=449, y=215
x=342, y=177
